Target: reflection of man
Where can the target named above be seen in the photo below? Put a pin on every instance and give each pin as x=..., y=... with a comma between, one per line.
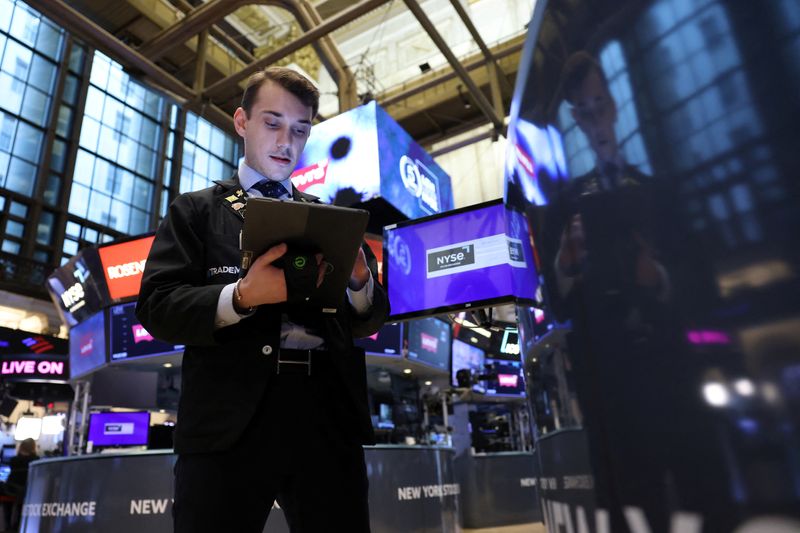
x=618, y=230
x=273, y=402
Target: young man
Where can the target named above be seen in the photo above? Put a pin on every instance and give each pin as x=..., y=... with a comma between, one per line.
x=252, y=430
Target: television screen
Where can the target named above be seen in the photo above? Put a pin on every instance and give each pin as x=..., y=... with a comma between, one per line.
x=87, y=345
x=505, y=345
x=429, y=342
x=509, y=380
x=467, y=258
x=466, y=357
x=119, y=429
x=130, y=339
x=387, y=341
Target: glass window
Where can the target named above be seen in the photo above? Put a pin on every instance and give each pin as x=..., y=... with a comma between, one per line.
x=77, y=58
x=21, y=177
x=28, y=143
x=64, y=121
x=12, y=91
x=14, y=228
x=43, y=73
x=44, y=230
x=11, y=247
x=36, y=106
x=73, y=229
x=52, y=190
x=49, y=40
x=71, y=86
x=24, y=24
x=18, y=210
x=78, y=200
x=70, y=247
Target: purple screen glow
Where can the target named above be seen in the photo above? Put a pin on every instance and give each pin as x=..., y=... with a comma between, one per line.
x=463, y=258
x=119, y=429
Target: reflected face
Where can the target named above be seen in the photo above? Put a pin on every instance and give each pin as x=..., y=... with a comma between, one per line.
x=595, y=112
x=276, y=131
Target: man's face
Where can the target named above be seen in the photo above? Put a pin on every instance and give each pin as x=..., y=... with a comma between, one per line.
x=276, y=131
x=595, y=112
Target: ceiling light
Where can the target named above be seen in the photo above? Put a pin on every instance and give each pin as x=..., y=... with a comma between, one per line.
x=406, y=371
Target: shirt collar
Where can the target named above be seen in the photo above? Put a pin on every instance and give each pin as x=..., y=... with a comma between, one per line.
x=249, y=177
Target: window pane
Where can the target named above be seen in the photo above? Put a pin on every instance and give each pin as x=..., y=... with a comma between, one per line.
x=103, y=179
x=107, y=145
x=12, y=91
x=28, y=143
x=11, y=247
x=70, y=247
x=58, y=155
x=6, y=10
x=49, y=40
x=52, y=190
x=21, y=177
x=18, y=210
x=73, y=229
x=44, y=231
x=70, y=89
x=14, y=228
x=90, y=133
x=43, y=74
x=78, y=200
x=123, y=187
x=64, y=123
x=8, y=128
x=36, y=104
x=120, y=216
x=138, y=223
x=17, y=60
x=77, y=58
x=142, y=194
x=94, y=102
x=99, y=208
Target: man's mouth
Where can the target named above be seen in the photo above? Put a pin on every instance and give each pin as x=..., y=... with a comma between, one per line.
x=280, y=160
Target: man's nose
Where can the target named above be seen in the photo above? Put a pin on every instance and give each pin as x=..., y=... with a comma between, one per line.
x=283, y=137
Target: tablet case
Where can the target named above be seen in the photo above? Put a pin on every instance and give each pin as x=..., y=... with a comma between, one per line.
x=337, y=232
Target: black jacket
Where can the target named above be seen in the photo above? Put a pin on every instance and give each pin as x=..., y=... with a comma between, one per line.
x=225, y=371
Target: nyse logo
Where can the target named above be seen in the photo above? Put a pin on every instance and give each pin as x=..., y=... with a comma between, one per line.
x=72, y=295
x=420, y=182
x=451, y=258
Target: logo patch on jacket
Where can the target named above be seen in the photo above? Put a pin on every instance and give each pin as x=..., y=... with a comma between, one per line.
x=216, y=271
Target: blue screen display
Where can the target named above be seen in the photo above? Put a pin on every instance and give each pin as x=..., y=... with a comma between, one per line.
x=87, y=345
x=364, y=154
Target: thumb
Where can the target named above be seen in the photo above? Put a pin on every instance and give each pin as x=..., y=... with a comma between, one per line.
x=270, y=255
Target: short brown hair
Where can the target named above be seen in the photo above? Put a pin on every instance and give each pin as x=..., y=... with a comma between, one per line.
x=576, y=69
x=292, y=81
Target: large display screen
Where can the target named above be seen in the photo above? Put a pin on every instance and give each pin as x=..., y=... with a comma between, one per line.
x=466, y=357
x=386, y=341
x=429, y=342
x=87, y=345
x=480, y=255
x=130, y=339
x=364, y=154
x=77, y=287
x=508, y=380
x=119, y=429
x=123, y=266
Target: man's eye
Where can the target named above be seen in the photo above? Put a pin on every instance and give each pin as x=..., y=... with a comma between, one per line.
x=300, y=132
x=272, y=124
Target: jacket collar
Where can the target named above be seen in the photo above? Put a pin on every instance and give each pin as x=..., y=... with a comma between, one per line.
x=234, y=198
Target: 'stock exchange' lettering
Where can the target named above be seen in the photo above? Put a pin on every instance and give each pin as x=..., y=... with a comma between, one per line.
x=128, y=269
x=421, y=182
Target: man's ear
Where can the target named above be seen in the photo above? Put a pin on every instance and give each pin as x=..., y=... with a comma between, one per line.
x=240, y=121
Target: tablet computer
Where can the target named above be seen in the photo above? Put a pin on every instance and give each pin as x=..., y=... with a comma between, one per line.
x=336, y=231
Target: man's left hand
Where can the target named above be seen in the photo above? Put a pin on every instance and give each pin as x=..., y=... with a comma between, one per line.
x=360, y=274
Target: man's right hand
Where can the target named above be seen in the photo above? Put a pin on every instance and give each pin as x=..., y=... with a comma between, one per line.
x=264, y=283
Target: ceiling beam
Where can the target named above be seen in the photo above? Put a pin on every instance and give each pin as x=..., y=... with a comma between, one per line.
x=484, y=104
x=195, y=21
x=330, y=25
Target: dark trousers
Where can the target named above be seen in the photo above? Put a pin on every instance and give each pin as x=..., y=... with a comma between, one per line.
x=292, y=452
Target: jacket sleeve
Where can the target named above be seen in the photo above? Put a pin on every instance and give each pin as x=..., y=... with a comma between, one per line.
x=368, y=323
x=174, y=303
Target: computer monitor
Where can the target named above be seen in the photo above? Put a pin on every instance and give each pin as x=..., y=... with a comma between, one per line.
x=5, y=471
x=466, y=357
x=128, y=338
x=387, y=341
x=477, y=256
x=507, y=378
x=9, y=451
x=87, y=345
x=429, y=342
x=385, y=419
x=119, y=429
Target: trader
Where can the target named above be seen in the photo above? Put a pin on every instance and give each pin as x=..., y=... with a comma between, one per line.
x=273, y=404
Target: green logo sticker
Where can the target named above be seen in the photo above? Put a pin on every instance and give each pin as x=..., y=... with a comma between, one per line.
x=299, y=262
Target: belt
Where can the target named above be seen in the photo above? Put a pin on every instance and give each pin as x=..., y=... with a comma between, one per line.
x=290, y=361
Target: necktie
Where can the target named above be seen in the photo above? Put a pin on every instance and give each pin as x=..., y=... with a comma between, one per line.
x=270, y=189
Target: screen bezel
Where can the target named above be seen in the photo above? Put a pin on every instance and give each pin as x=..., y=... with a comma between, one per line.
x=452, y=354
x=445, y=309
x=93, y=415
x=104, y=314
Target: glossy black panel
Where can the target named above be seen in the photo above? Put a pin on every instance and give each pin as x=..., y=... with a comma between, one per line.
x=655, y=149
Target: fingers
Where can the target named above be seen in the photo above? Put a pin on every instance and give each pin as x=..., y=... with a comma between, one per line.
x=271, y=255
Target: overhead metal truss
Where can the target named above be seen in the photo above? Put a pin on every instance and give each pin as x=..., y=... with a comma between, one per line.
x=214, y=100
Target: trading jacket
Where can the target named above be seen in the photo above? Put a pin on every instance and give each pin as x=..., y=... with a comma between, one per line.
x=226, y=371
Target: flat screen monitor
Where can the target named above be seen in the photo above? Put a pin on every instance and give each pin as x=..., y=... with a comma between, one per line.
x=9, y=451
x=429, y=342
x=119, y=429
x=505, y=345
x=473, y=257
x=508, y=381
x=87, y=345
x=466, y=357
x=386, y=341
x=385, y=419
x=130, y=339
x=5, y=471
